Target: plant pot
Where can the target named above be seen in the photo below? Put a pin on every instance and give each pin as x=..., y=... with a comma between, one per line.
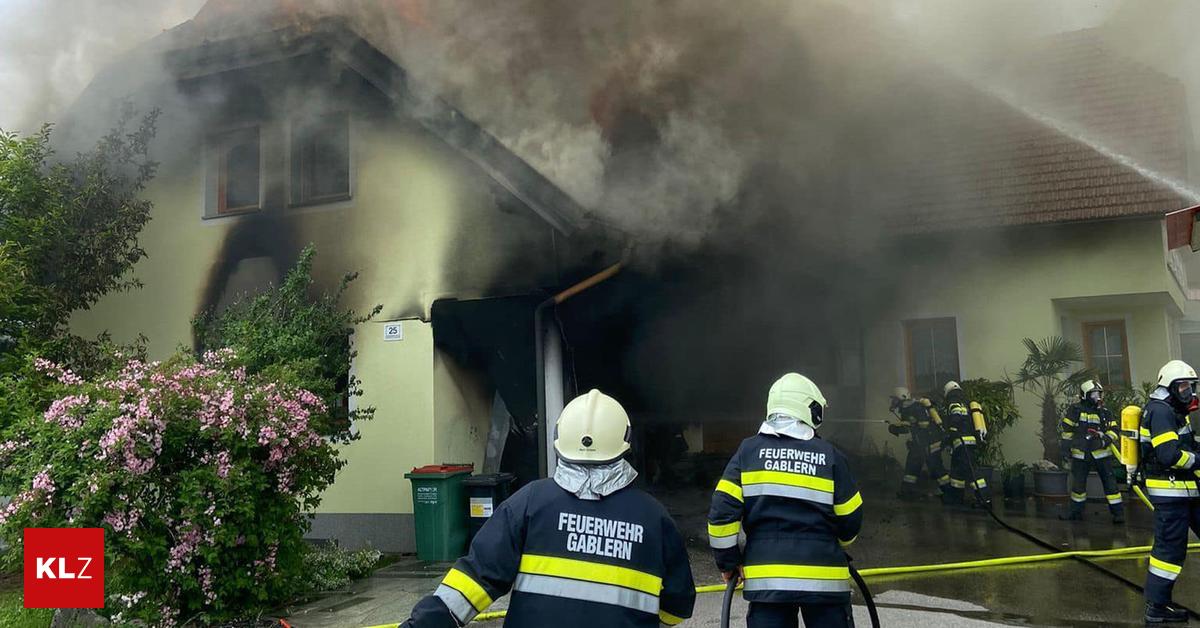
x=1014, y=487
x=1050, y=483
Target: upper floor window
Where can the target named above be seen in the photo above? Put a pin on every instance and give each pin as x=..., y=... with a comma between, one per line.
x=238, y=170
x=320, y=159
x=1106, y=351
x=931, y=345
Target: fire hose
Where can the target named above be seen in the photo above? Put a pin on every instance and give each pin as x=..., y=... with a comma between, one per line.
x=732, y=585
x=987, y=507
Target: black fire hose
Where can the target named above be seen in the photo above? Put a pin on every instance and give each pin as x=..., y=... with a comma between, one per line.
x=731, y=586
x=727, y=603
x=987, y=507
x=866, y=593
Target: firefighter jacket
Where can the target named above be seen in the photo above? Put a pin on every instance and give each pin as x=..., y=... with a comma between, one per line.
x=799, y=506
x=616, y=561
x=924, y=422
x=960, y=426
x=1087, y=428
x=1168, y=451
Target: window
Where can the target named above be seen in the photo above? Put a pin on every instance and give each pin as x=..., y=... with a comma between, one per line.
x=931, y=345
x=238, y=170
x=1106, y=351
x=321, y=160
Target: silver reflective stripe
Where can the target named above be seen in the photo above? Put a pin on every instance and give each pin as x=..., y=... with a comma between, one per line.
x=457, y=603
x=588, y=591
x=1078, y=456
x=798, y=584
x=1163, y=573
x=1101, y=453
x=722, y=542
x=1187, y=429
x=784, y=490
x=1172, y=492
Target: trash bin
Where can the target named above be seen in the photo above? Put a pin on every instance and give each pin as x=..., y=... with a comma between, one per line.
x=484, y=492
x=439, y=508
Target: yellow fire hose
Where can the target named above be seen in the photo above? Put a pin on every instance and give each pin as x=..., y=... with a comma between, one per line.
x=911, y=569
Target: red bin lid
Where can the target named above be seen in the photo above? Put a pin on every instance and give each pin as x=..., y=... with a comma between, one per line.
x=444, y=468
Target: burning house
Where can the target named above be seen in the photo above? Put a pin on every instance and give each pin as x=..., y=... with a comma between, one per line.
x=864, y=245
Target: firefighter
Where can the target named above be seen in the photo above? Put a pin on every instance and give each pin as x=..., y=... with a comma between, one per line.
x=1089, y=437
x=583, y=548
x=1168, y=455
x=965, y=427
x=793, y=495
x=920, y=419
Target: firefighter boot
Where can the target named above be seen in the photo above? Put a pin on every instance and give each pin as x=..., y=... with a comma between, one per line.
x=1165, y=614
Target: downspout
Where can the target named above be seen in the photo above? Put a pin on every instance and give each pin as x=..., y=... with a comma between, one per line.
x=540, y=353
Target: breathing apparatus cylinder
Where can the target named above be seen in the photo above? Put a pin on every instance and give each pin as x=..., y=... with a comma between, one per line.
x=977, y=417
x=933, y=413
x=1131, y=421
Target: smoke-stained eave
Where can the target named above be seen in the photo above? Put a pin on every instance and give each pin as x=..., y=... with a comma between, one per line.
x=448, y=124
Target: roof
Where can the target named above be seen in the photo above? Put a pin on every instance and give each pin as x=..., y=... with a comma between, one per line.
x=991, y=160
x=226, y=35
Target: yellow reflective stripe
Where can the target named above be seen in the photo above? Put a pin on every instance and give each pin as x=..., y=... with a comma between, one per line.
x=668, y=618
x=796, y=571
x=470, y=589
x=1162, y=438
x=848, y=506
x=1151, y=483
x=1154, y=562
x=730, y=489
x=591, y=572
x=789, y=479
x=1069, y=422
x=728, y=529
x=848, y=543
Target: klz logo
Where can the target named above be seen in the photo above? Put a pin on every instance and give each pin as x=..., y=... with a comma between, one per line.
x=64, y=567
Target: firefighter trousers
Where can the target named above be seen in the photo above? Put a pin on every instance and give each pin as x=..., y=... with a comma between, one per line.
x=1172, y=519
x=962, y=463
x=774, y=615
x=1080, y=467
x=922, y=453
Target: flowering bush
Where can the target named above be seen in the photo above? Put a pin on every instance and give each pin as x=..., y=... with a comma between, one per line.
x=199, y=473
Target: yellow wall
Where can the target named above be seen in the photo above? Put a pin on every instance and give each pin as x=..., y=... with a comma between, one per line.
x=423, y=223
x=1036, y=282
x=398, y=381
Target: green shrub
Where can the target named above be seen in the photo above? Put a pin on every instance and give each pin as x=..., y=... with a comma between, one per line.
x=200, y=473
x=329, y=568
x=309, y=337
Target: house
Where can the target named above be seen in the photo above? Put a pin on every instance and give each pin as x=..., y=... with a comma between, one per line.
x=1057, y=227
x=297, y=130
x=284, y=126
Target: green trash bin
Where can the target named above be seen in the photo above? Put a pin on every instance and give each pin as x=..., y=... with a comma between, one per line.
x=440, y=510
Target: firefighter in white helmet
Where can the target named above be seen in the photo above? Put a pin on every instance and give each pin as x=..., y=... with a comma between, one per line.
x=920, y=419
x=584, y=548
x=1168, y=455
x=965, y=427
x=793, y=495
x=1089, y=438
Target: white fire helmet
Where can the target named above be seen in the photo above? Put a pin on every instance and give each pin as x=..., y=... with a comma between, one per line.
x=1174, y=371
x=901, y=393
x=1089, y=386
x=950, y=385
x=797, y=396
x=592, y=429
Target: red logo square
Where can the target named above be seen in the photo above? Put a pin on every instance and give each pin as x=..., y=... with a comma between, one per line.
x=64, y=567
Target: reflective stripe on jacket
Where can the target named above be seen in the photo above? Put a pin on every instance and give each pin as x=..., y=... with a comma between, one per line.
x=798, y=504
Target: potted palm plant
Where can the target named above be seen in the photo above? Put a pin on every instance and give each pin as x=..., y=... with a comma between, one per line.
x=1045, y=374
